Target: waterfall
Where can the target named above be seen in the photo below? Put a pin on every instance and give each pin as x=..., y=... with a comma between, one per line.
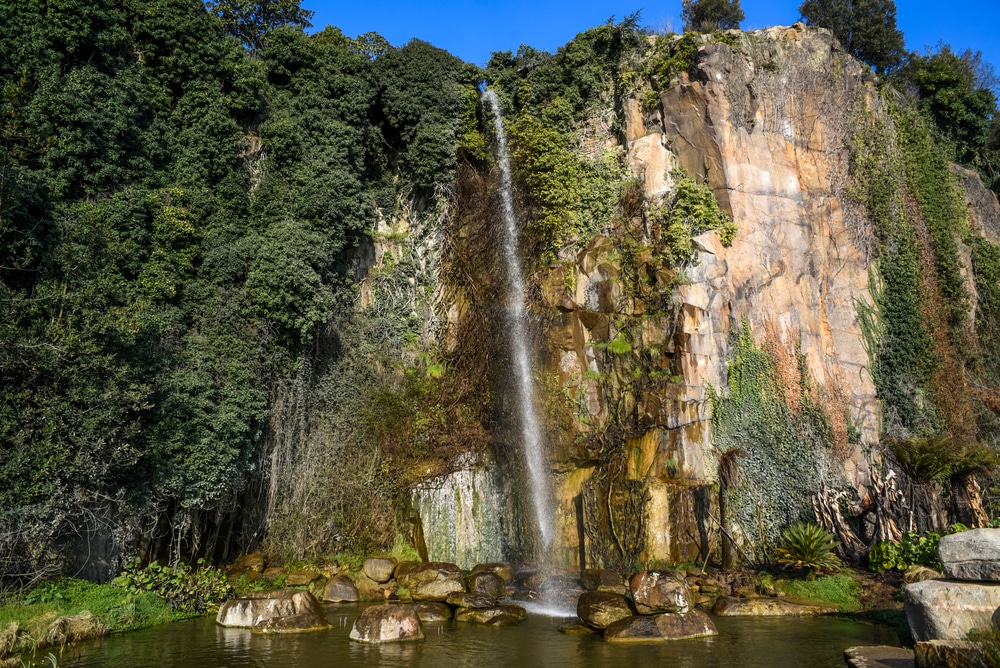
x=530, y=432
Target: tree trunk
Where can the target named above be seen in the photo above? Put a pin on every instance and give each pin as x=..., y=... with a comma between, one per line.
x=966, y=503
x=928, y=511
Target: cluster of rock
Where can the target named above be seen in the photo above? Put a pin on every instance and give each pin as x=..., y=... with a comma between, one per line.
x=417, y=592
x=657, y=605
x=439, y=591
x=943, y=611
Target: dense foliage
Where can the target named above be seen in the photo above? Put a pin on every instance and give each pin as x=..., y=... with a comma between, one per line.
x=809, y=547
x=178, y=218
x=711, y=15
x=866, y=28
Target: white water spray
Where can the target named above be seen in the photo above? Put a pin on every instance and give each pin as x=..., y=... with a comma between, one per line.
x=530, y=432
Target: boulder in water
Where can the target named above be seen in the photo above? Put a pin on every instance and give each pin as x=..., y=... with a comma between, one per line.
x=484, y=615
x=666, y=626
x=466, y=600
x=502, y=570
x=387, y=623
x=971, y=555
x=486, y=584
x=431, y=611
x=340, y=590
x=432, y=581
x=600, y=608
x=281, y=611
x=660, y=591
x=380, y=569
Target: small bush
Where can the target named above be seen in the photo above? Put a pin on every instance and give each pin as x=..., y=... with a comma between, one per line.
x=913, y=549
x=185, y=589
x=808, y=546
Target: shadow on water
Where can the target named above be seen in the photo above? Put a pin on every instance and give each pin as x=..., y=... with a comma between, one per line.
x=744, y=643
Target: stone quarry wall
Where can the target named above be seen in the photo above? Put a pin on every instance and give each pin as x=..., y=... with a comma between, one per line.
x=630, y=350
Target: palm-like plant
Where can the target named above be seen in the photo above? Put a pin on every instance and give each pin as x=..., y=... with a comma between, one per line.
x=808, y=546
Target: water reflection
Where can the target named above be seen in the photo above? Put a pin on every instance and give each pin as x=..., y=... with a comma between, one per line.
x=746, y=643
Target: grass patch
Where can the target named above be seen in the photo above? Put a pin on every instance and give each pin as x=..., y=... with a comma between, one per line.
x=839, y=590
x=32, y=622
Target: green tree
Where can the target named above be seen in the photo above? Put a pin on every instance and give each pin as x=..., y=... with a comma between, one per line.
x=250, y=21
x=711, y=15
x=956, y=93
x=866, y=28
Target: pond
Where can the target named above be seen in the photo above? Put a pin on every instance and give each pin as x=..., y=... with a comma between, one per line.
x=815, y=642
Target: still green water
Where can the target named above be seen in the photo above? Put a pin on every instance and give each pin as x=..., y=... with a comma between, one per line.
x=741, y=643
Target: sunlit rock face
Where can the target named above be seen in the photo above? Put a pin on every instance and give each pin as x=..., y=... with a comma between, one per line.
x=764, y=120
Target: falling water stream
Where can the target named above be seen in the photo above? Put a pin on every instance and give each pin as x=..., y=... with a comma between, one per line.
x=530, y=431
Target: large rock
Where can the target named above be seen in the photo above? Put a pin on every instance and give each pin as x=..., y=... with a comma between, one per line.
x=878, y=656
x=463, y=599
x=431, y=611
x=380, y=569
x=282, y=611
x=301, y=578
x=387, y=623
x=601, y=579
x=949, y=609
x=730, y=606
x=340, y=590
x=486, y=584
x=949, y=654
x=432, y=581
x=971, y=555
x=667, y=626
x=501, y=569
x=486, y=615
x=660, y=591
x=601, y=608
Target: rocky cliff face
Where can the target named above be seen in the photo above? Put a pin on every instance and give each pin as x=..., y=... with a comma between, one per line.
x=635, y=353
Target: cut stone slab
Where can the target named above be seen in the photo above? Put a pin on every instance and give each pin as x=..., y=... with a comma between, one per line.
x=971, y=555
x=340, y=590
x=379, y=569
x=660, y=591
x=949, y=654
x=666, y=626
x=730, y=606
x=600, y=608
x=281, y=611
x=879, y=656
x=387, y=623
x=949, y=609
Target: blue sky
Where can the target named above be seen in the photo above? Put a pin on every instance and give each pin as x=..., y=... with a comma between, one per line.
x=472, y=29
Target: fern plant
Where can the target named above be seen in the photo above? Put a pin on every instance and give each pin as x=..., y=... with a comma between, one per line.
x=808, y=546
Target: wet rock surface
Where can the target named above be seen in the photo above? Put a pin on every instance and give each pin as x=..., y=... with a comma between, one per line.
x=660, y=591
x=599, y=609
x=280, y=611
x=666, y=626
x=340, y=590
x=387, y=623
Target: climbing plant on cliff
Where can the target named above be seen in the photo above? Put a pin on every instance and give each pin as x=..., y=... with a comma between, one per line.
x=788, y=450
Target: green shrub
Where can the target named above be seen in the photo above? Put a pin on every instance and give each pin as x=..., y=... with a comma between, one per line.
x=186, y=590
x=913, y=549
x=808, y=546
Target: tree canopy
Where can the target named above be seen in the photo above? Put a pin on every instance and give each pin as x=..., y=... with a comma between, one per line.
x=711, y=15
x=866, y=28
